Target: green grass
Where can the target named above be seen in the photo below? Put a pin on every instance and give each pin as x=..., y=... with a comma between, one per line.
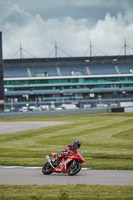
x=69, y=192
x=107, y=141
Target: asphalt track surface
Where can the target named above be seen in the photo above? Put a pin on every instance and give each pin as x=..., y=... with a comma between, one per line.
x=12, y=127
x=32, y=175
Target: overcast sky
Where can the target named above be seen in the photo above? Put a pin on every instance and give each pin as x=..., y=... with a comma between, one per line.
x=37, y=24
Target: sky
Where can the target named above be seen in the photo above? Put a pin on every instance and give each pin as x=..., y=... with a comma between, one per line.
x=32, y=28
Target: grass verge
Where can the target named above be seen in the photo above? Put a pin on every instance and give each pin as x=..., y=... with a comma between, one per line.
x=106, y=141
x=69, y=192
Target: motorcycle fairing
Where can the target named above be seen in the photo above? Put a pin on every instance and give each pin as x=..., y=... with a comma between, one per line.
x=62, y=167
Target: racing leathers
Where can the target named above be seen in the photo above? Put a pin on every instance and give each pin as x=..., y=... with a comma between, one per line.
x=67, y=150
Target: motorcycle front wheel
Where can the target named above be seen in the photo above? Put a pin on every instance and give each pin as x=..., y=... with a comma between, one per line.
x=47, y=169
x=73, y=169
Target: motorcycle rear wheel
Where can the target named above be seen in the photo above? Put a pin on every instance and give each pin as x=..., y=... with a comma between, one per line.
x=47, y=169
x=74, y=169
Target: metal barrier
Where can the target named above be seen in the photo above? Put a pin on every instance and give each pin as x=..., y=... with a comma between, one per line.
x=53, y=113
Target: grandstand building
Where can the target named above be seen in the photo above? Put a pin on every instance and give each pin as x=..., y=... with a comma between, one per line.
x=67, y=79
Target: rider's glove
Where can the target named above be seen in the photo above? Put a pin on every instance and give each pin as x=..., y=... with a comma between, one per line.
x=60, y=155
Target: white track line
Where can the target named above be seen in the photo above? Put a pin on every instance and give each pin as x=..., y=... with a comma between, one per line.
x=23, y=167
x=18, y=167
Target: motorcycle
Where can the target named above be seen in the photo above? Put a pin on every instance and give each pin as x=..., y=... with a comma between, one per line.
x=70, y=163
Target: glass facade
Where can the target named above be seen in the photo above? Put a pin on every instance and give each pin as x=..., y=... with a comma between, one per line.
x=66, y=81
x=71, y=88
x=69, y=83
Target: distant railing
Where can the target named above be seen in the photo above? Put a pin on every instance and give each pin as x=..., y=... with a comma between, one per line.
x=53, y=113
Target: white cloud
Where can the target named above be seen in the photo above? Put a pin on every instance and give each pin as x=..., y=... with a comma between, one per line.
x=38, y=35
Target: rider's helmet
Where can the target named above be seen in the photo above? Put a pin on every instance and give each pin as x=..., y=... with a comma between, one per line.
x=76, y=144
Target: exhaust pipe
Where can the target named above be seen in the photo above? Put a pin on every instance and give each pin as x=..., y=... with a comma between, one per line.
x=48, y=159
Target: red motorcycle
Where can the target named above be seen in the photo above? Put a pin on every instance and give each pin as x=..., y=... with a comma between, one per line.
x=70, y=163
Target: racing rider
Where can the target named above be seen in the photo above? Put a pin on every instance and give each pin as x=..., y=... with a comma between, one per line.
x=71, y=148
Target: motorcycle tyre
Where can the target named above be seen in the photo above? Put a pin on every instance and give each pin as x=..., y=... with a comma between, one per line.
x=76, y=171
x=44, y=169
